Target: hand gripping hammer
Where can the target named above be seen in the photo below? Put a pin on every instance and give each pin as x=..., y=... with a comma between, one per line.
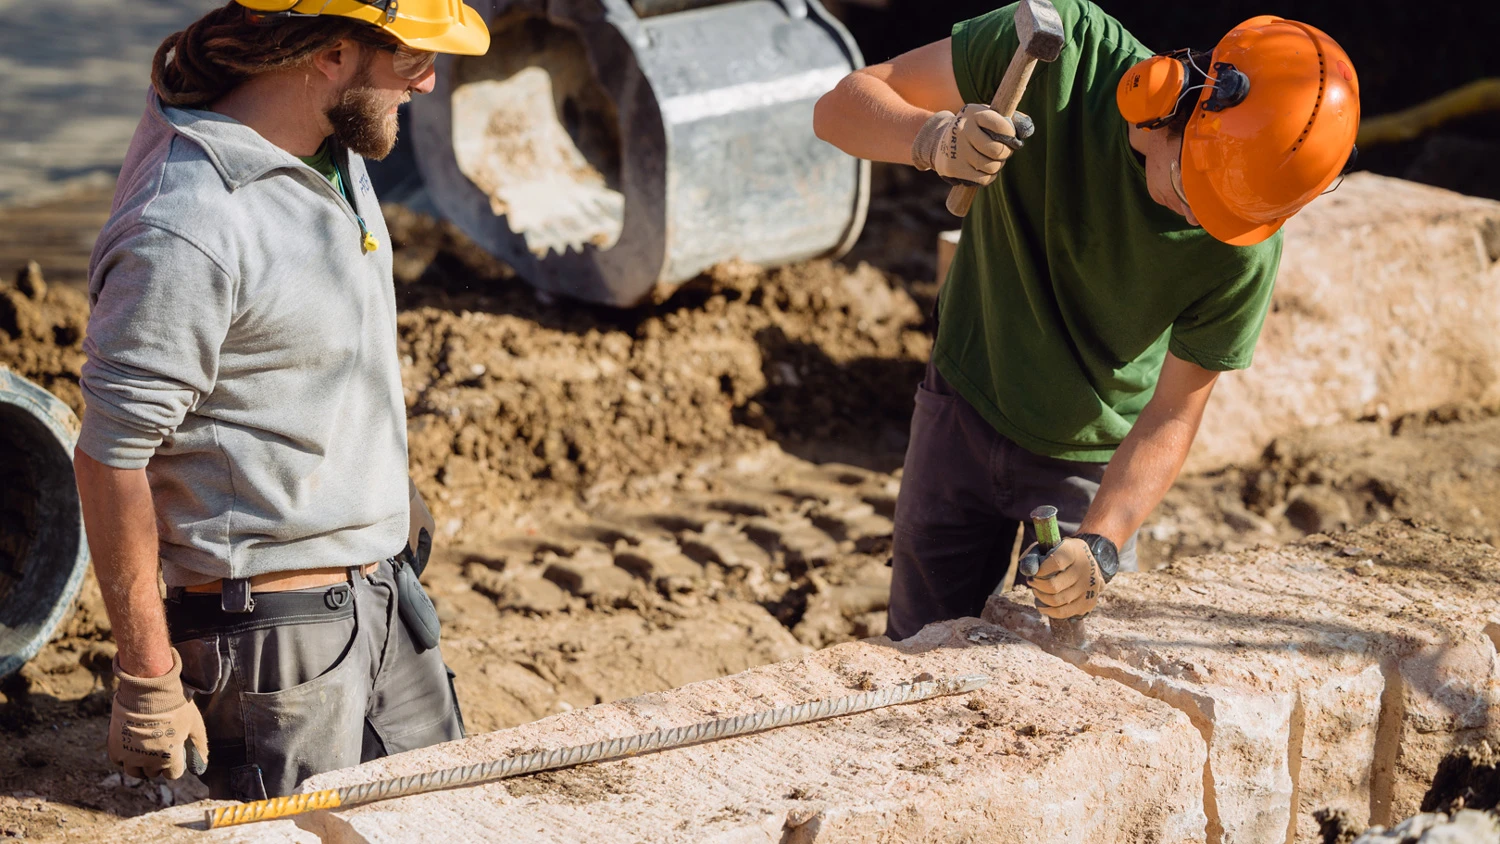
x=1042, y=38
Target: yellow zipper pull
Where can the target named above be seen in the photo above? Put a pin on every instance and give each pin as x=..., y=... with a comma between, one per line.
x=370, y=243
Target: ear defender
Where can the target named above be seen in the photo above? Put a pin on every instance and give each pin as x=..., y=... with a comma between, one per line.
x=1148, y=93
x=1151, y=94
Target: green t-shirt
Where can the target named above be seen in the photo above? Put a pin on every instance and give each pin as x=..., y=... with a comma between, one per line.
x=324, y=162
x=1070, y=283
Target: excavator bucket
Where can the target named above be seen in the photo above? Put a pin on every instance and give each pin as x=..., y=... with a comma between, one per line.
x=610, y=150
x=43, y=554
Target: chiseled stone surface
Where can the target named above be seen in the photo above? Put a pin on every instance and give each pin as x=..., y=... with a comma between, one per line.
x=1321, y=674
x=1385, y=303
x=1043, y=753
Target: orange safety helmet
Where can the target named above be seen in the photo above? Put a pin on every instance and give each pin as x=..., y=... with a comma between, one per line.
x=1273, y=126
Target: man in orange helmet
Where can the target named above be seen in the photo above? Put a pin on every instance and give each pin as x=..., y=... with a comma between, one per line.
x=246, y=431
x=1103, y=281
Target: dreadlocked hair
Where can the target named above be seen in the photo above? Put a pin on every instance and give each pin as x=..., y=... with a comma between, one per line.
x=229, y=45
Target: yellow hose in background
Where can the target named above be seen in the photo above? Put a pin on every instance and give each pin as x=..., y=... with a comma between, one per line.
x=1478, y=96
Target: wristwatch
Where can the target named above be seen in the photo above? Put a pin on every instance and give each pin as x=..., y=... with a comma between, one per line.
x=1105, y=553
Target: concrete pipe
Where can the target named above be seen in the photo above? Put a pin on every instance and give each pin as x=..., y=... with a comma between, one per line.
x=609, y=150
x=43, y=554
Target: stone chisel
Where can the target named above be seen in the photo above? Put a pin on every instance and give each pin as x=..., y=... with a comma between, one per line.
x=1072, y=632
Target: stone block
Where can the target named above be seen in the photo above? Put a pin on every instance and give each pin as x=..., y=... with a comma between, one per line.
x=1043, y=753
x=1384, y=305
x=1450, y=697
x=1314, y=686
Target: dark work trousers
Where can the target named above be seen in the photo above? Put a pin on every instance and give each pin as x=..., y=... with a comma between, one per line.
x=309, y=681
x=965, y=491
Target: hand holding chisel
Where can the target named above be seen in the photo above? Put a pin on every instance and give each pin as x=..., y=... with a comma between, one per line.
x=1067, y=576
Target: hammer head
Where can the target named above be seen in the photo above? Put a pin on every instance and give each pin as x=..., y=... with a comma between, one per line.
x=1041, y=29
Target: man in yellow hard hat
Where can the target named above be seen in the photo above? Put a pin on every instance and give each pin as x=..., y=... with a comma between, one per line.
x=245, y=433
x=1122, y=260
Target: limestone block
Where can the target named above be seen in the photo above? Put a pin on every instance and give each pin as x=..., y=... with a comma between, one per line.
x=1043, y=753
x=1314, y=686
x=1386, y=302
x=1451, y=698
x=184, y=825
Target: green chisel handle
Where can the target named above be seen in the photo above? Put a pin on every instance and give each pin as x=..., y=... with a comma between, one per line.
x=1072, y=632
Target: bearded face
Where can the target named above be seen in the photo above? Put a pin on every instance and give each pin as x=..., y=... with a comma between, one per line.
x=364, y=117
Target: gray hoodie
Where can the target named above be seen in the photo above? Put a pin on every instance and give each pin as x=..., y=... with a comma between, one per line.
x=242, y=348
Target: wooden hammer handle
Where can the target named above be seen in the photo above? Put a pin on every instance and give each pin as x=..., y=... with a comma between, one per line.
x=1007, y=100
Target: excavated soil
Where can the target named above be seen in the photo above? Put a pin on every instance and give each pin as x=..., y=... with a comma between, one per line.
x=1466, y=779
x=41, y=332
x=629, y=501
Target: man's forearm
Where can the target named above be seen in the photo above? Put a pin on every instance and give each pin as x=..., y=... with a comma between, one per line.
x=876, y=113
x=1149, y=460
x=120, y=521
x=1143, y=469
x=866, y=118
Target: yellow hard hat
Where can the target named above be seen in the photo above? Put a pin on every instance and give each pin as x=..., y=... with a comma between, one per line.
x=438, y=26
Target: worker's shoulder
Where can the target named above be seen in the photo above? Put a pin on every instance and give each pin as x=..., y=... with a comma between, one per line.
x=157, y=192
x=187, y=197
x=1224, y=264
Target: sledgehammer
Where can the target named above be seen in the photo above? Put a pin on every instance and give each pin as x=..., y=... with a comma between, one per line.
x=1072, y=632
x=1041, y=32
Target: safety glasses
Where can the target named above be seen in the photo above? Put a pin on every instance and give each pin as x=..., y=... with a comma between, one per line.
x=408, y=63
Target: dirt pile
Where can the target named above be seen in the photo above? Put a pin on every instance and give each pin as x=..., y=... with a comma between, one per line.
x=1467, y=779
x=512, y=396
x=1439, y=468
x=1461, y=807
x=41, y=333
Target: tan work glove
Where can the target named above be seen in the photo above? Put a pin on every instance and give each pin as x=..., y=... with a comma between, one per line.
x=154, y=727
x=1067, y=582
x=970, y=147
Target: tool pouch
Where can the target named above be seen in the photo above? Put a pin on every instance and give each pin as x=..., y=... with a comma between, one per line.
x=414, y=606
x=412, y=602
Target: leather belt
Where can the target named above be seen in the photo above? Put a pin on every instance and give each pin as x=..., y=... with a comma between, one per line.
x=286, y=581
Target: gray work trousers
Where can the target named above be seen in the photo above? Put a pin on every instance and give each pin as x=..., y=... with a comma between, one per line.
x=309, y=681
x=965, y=491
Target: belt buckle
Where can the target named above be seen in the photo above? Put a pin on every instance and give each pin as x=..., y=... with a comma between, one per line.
x=235, y=597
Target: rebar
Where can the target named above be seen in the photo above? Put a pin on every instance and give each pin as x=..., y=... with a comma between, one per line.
x=606, y=750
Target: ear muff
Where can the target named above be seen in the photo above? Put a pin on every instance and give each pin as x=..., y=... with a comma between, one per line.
x=1149, y=93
